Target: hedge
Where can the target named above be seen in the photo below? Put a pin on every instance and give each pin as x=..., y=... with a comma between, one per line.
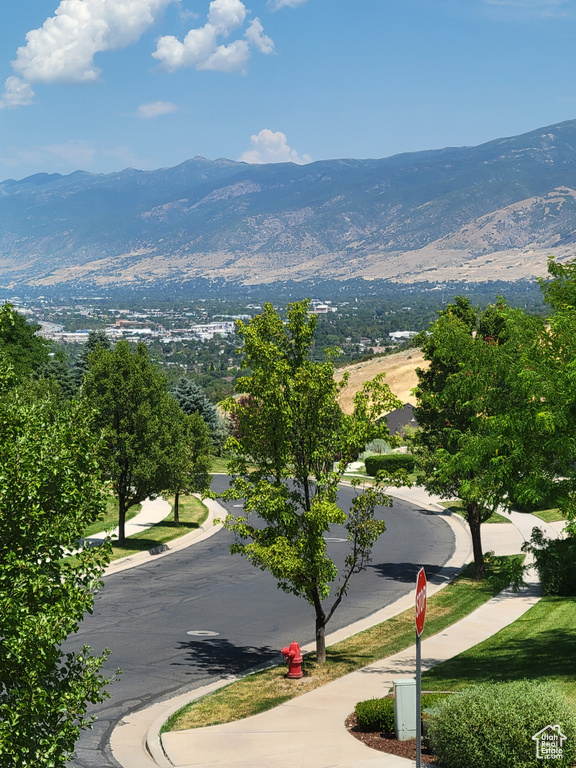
x=389, y=462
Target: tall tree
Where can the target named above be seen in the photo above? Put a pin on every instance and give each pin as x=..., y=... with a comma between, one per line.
x=50, y=490
x=134, y=412
x=190, y=466
x=20, y=343
x=474, y=401
x=293, y=445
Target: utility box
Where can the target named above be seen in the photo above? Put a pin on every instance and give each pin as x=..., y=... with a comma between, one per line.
x=405, y=708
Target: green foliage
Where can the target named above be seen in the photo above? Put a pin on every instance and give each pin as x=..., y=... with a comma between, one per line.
x=138, y=419
x=390, y=462
x=378, y=714
x=192, y=399
x=189, y=470
x=50, y=490
x=290, y=427
x=375, y=715
x=20, y=347
x=479, y=412
x=554, y=560
x=491, y=726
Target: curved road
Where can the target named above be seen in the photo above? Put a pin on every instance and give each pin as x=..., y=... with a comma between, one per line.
x=144, y=614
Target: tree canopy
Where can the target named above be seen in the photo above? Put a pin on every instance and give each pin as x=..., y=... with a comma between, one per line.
x=136, y=416
x=50, y=490
x=292, y=448
x=19, y=343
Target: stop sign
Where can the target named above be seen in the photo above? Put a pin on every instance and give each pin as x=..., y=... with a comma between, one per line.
x=420, y=601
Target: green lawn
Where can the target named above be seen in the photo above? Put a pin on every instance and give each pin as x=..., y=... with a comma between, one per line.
x=192, y=514
x=550, y=515
x=456, y=506
x=219, y=464
x=269, y=688
x=539, y=645
x=110, y=519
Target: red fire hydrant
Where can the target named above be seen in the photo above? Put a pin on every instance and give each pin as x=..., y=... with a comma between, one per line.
x=294, y=658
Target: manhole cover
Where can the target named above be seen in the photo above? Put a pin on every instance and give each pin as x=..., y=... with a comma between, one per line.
x=202, y=633
x=332, y=540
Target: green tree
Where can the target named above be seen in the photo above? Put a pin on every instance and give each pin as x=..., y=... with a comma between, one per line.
x=19, y=343
x=50, y=490
x=193, y=399
x=135, y=414
x=95, y=339
x=293, y=445
x=476, y=410
x=190, y=467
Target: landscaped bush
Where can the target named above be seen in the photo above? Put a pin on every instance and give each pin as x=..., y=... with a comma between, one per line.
x=492, y=725
x=378, y=714
x=390, y=462
x=375, y=715
x=554, y=560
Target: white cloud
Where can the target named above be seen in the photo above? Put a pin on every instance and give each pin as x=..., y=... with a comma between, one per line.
x=256, y=37
x=63, y=49
x=201, y=47
x=155, y=109
x=17, y=93
x=277, y=4
x=272, y=147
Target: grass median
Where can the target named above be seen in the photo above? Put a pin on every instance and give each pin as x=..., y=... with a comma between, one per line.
x=269, y=688
x=192, y=514
x=110, y=519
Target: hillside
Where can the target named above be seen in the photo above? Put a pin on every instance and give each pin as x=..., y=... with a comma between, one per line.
x=467, y=214
x=400, y=370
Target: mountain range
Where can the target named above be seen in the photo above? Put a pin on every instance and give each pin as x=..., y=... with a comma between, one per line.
x=494, y=211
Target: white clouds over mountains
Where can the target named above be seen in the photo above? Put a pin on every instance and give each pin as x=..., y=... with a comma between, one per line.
x=272, y=147
x=64, y=47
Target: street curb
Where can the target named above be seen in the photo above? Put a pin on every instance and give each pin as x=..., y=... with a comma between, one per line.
x=207, y=529
x=148, y=722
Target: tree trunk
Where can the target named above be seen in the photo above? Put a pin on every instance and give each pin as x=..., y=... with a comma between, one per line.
x=320, y=640
x=121, y=519
x=473, y=514
x=176, y=513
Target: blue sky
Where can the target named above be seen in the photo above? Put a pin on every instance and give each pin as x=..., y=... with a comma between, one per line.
x=106, y=84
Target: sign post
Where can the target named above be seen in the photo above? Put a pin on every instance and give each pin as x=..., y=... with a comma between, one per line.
x=420, y=618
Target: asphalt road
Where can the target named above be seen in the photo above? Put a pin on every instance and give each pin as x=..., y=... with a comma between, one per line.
x=144, y=615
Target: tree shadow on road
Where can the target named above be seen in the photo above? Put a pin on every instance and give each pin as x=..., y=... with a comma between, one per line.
x=407, y=572
x=218, y=656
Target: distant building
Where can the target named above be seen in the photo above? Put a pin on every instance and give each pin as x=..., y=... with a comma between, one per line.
x=402, y=335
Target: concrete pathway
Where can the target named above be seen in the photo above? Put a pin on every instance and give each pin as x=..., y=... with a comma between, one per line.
x=152, y=512
x=308, y=732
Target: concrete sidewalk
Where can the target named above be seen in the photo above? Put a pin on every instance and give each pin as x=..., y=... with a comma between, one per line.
x=308, y=732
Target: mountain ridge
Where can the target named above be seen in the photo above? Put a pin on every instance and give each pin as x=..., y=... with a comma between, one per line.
x=464, y=213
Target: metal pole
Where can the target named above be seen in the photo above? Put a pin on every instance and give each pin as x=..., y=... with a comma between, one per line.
x=418, y=703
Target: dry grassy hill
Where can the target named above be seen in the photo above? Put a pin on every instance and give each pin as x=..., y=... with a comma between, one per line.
x=400, y=370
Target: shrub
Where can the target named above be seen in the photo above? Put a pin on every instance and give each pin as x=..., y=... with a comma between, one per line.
x=378, y=714
x=390, y=462
x=376, y=447
x=375, y=715
x=492, y=725
x=554, y=560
